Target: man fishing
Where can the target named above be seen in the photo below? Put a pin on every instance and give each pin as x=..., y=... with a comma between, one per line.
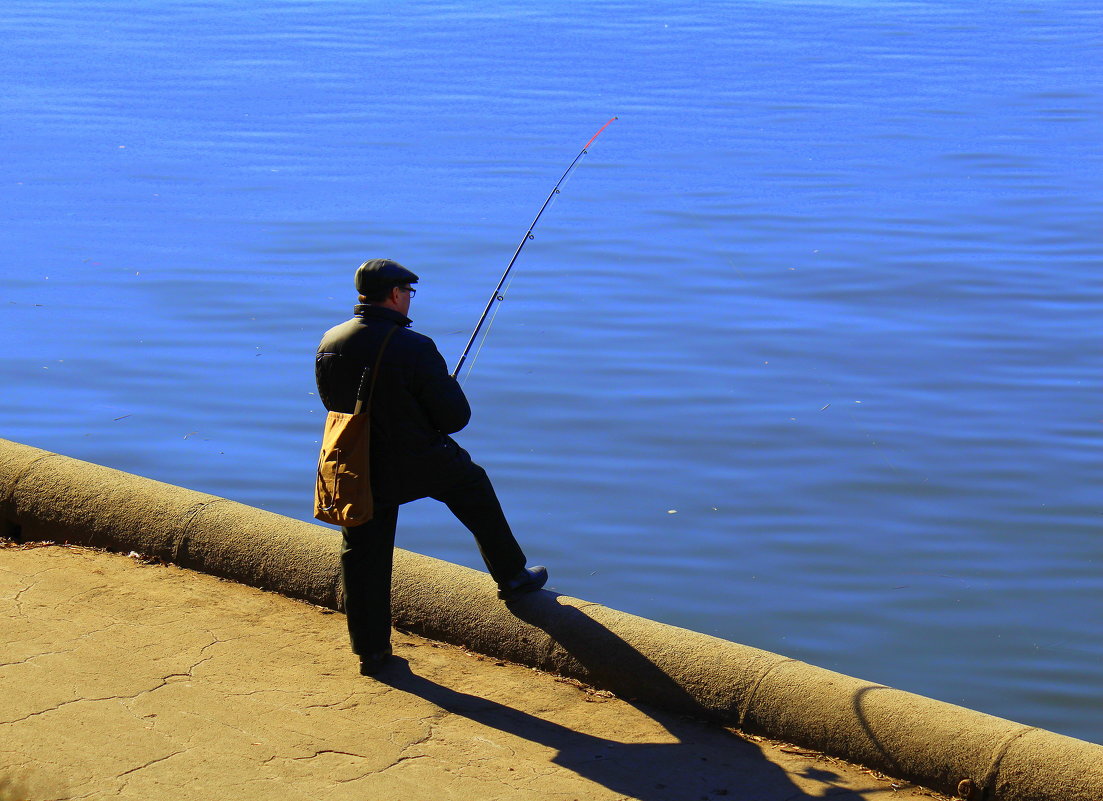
x=416, y=405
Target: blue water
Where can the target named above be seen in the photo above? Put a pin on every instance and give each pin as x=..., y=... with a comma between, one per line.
x=806, y=355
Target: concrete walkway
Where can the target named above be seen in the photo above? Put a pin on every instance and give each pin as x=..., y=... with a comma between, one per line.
x=123, y=679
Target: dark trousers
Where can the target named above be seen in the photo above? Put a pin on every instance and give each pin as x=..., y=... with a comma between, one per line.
x=369, y=551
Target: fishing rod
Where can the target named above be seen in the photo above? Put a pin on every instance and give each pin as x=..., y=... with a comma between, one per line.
x=498, y=294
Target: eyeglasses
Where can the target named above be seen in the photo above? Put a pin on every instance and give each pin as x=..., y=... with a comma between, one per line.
x=409, y=289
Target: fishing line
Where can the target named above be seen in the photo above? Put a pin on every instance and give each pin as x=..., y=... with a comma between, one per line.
x=486, y=334
x=499, y=293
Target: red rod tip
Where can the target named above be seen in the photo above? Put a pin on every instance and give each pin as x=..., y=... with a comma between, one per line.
x=595, y=136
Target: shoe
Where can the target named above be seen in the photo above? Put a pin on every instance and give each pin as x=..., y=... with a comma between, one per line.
x=370, y=664
x=528, y=580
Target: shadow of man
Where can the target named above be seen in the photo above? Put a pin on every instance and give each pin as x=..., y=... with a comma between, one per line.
x=706, y=762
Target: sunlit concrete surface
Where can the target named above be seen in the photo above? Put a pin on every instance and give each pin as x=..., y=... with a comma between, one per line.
x=124, y=678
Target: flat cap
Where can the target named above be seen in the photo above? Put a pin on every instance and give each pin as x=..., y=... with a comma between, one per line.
x=376, y=274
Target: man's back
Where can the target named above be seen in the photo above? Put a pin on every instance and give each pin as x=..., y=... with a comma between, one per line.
x=415, y=406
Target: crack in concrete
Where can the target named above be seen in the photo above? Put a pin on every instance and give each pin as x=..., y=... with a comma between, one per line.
x=499, y=746
x=32, y=657
x=317, y=754
x=386, y=768
x=748, y=702
x=191, y=671
x=148, y=764
x=265, y=690
x=215, y=640
x=381, y=693
x=344, y=700
x=94, y=632
x=51, y=709
x=75, y=797
x=1000, y=752
x=433, y=722
x=164, y=683
x=126, y=782
x=189, y=517
x=17, y=598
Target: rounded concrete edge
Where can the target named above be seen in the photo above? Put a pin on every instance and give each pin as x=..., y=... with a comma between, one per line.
x=904, y=735
x=938, y=745
x=264, y=550
x=51, y=497
x=15, y=461
x=633, y=657
x=1043, y=764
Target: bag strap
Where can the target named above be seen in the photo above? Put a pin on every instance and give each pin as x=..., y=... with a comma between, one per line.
x=374, y=372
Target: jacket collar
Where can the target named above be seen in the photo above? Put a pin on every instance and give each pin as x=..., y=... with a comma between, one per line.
x=369, y=311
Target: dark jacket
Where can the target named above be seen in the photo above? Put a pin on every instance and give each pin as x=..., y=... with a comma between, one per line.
x=416, y=403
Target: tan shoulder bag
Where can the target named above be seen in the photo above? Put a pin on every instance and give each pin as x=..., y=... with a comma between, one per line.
x=342, y=491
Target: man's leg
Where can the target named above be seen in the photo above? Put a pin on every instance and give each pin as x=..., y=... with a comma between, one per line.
x=476, y=505
x=366, y=579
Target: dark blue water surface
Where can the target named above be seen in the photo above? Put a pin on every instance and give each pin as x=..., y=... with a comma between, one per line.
x=806, y=355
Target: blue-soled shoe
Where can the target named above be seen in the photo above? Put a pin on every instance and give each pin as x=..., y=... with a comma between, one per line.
x=528, y=580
